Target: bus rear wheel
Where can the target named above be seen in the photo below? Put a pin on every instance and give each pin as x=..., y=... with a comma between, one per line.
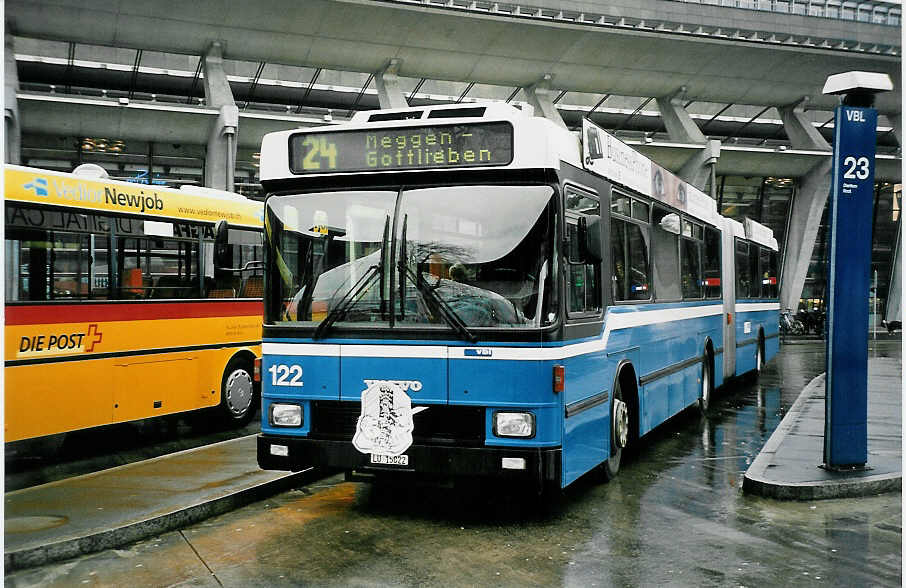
x=237, y=392
x=619, y=433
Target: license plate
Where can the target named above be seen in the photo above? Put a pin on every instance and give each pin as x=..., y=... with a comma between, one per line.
x=395, y=460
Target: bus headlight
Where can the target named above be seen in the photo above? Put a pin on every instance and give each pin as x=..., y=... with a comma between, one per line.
x=286, y=415
x=514, y=424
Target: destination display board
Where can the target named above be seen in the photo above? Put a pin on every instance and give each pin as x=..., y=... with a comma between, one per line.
x=402, y=148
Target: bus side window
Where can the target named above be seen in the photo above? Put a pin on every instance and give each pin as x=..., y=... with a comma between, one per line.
x=244, y=247
x=583, y=278
x=743, y=278
x=629, y=250
x=754, y=273
x=711, y=263
x=46, y=264
x=690, y=258
x=158, y=268
x=768, y=273
x=665, y=254
x=582, y=286
x=27, y=256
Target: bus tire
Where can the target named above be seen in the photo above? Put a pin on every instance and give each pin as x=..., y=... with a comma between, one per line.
x=237, y=392
x=619, y=432
x=707, y=380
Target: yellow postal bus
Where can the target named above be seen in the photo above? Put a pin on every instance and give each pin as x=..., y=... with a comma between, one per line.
x=126, y=301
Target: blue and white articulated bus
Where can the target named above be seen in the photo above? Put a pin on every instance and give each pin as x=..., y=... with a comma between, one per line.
x=457, y=292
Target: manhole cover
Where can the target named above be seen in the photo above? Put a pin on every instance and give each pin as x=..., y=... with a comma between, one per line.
x=32, y=524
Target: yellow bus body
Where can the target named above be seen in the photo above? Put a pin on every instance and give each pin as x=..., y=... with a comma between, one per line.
x=74, y=364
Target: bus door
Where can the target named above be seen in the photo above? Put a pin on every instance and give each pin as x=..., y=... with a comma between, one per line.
x=586, y=387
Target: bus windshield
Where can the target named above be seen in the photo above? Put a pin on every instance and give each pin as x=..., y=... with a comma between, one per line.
x=459, y=257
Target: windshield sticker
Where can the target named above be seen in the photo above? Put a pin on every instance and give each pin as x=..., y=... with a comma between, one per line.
x=385, y=425
x=319, y=222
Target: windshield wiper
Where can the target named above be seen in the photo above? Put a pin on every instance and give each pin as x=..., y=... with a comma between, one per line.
x=357, y=289
x=443, y=307
x=403, y=264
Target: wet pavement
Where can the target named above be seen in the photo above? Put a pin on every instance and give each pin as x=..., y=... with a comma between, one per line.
x=118, y=506
x=790, y=464
x=675, y=515
x=33, y=462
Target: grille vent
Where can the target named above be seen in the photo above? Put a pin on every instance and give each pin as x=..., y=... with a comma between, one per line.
x=438, y=425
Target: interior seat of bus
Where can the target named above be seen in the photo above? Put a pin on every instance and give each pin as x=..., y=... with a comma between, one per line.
x=221, y=293
x=133, y=283
x=252, y=287
x=170, y=287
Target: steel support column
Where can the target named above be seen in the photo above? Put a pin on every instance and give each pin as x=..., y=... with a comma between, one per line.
x=805, y=219
x=807, y=205
x=698, y=169
x=387, y=83
x=896, y=121
x=540, y=96
x=682, y=129
x=220, y=160
x=801, y=132
x=894, y=309
x=12, y=126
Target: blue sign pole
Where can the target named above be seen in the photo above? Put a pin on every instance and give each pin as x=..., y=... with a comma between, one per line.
x=850, y=214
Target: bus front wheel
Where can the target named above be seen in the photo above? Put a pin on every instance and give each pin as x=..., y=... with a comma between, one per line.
x=237, y=392
x=619, y=432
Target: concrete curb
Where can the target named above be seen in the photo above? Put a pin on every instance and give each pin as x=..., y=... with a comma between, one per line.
x=756, y=482
x=132, y=532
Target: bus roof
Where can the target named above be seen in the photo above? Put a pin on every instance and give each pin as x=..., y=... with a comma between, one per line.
x=38, y=186
x=489, y=135
x=758, y=233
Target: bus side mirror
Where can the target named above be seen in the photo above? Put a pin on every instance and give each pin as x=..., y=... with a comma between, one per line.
x=221, y=244
x=590, y=238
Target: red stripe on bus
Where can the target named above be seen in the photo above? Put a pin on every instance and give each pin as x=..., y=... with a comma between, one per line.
x=83, y=313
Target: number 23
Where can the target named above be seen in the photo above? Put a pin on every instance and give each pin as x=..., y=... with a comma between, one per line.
x=856, y=169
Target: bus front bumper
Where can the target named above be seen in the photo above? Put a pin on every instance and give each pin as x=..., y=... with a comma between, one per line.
x=538, y=464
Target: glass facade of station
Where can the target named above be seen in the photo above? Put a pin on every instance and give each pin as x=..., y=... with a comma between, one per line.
x=768, y=200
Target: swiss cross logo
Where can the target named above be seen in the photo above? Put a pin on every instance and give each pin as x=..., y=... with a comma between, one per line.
x=94, y=337
x=57, y=343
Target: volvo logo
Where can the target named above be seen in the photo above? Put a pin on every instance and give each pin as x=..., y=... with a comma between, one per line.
x=405, y=385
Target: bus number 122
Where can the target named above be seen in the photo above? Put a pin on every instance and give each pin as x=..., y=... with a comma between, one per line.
x=286, y=375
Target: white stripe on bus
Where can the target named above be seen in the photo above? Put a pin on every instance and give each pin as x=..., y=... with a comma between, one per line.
x=757, y=306
x=615, y=321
